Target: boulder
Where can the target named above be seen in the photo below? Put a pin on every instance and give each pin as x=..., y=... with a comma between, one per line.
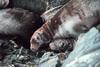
x=86, y=52
x=49, y=59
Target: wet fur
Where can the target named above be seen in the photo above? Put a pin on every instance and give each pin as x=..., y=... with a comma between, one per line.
x=18, y=23
x=74, y=18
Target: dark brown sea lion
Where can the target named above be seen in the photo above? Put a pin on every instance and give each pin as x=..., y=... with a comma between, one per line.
x=74, y=18
x=17, y=22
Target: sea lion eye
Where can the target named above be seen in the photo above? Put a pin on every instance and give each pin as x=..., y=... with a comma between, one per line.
x=38, y=37
x=84, y=28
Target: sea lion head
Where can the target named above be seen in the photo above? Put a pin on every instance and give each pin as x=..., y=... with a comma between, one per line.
x=37, y=39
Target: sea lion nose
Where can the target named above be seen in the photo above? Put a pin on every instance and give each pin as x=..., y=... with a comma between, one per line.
x=34, y=47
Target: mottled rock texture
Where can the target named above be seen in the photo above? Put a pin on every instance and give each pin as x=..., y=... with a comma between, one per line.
x=86, y=52
x=49, y=59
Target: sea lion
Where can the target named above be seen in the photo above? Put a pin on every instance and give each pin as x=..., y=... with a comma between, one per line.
x=74, y=18
x=17, y=22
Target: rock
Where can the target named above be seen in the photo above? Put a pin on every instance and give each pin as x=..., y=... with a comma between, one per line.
x=4, y=3
x=20, y=23
x=7, y=65
x=86, y=52
x=55, y=3
x=36, y=5
x=50, y=59
x=11, y=56
x=5, y=48
x=50, y=63
x=45, y=57
x=62, y=45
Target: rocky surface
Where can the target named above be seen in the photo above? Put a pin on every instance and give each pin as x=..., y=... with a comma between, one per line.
x=13, y=56
x=50, y=59
x=86, y=52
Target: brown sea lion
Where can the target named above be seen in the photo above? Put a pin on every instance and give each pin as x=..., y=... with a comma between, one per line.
x=74, y=18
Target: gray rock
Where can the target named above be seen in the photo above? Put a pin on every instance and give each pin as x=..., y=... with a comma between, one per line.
x=50, y=59
x=50, y=63
x=86, y=52
x=11, y=56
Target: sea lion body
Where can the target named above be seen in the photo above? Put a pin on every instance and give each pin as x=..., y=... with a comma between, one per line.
x=12, y=21
x=74, y=18
x=17, y=22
